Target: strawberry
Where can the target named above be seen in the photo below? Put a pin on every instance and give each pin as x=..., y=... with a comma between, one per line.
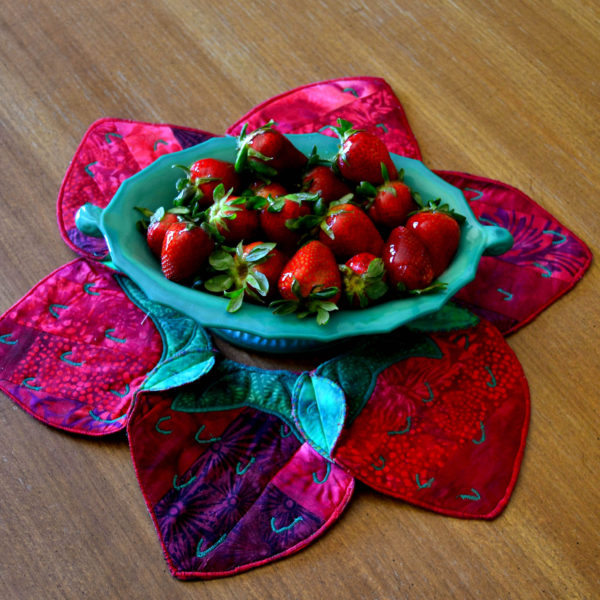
x=251, y=270
x=363, y=278
x=264, y=190
x=267, y=152
x=362, y=155
x=160, y=221
x=323, y=181
x=391, y=204
x=185, y=250
x=347, y=230
x=310, y=283
x=232, y=218
x=406, y=260
x=439, y=230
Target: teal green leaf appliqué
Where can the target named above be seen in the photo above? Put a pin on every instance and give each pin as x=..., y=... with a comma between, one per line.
x=319, y=407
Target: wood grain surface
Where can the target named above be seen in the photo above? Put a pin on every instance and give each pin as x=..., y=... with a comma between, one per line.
x=508, y=90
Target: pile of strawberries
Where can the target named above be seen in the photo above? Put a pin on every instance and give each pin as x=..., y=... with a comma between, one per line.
x=299, y=233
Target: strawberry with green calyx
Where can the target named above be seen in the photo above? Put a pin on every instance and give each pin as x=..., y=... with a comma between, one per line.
x=185, y=251
x=310, y=283
x=363, y=279
x=438, y=227
x=321, y=179
x=273, y=189
x=267, y=152
x=347, y=230
x=362, y=155
x=232, y=218
x=250, y=270
x=197, y=188
x=155, y=225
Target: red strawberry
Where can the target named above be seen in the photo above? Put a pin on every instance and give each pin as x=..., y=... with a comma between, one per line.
x=185, y=250
x=271, y=266
x=323, y=181
x=347, y=230
x=232, y=218
x=406, y=260
x=160, y=221
x=392, y=204
x=267, y=152
x=363, y=277
x=362, y=156
x=264, y=190
x=440, y=233
x=310, y=283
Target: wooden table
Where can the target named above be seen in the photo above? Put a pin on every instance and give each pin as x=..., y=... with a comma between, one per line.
x=506, y=90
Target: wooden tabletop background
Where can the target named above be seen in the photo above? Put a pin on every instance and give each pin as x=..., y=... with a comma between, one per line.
x=507, y=90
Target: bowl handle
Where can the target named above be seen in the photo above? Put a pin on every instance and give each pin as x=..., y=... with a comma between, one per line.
x=498, y=240
x=87, y=219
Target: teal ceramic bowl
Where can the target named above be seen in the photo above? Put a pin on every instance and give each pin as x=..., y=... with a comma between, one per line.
x=256, y=327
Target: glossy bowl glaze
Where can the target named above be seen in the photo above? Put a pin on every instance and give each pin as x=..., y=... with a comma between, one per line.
x=256, y=327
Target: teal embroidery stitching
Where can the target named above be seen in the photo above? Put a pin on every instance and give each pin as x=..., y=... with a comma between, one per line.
x=202, y=553
x=462, y=336
x=478, y=193
x=492, y=383
x=108, y=333
x=482, y=438
x=101, y=420
x=241, y=471
x=547, y=271
x=53, y=308
x=87, y=287
x=157, y=142
x=352, y=91
x=403, y=431
x=88, y=170
x=206, y=441
x=382, y=461
x=4, y=339
x=427, y=484
x=180, y=486
x=327, y=473
x=487, y=221
x=562, y=238
x=382, y=126
x=284, y=435
x=475, y=497
x=431, y=396
x=121, y=394
x=507, y=295
x=285, y=527
x=160, y=429
x=111, y=134
x=64, y=358
x=26, y=383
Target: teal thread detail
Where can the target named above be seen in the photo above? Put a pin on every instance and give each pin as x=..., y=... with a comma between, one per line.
x=486, y=221
x=53, y=308
x=87, y=289
x=160, y=429
x=285, y=527
x=88, y=170
x=4, y=339
x=507, y=295
x=462, y=336
x=431, y=395
x=482, y=437
x=180, y=486
x=121, y=394
x=403, y=431
x=475, y=496
x=352, y=91
x=26, y=383
x=427, y=484
x=562, y=238
x=101, y=420
x=111, y=134
x=492, y=383
x=478, y=193
x=204, y=441
x=241, y=471
x=382, y=126
x=157, y=142
x=325, y=478
x=289, y=431
x=547, y=270
x=381, y=462
x=202, y=553
x=325, y=127
x=108, y=334
x=64, y=358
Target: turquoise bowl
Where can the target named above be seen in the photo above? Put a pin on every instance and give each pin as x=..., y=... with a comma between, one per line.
x=255, y=327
